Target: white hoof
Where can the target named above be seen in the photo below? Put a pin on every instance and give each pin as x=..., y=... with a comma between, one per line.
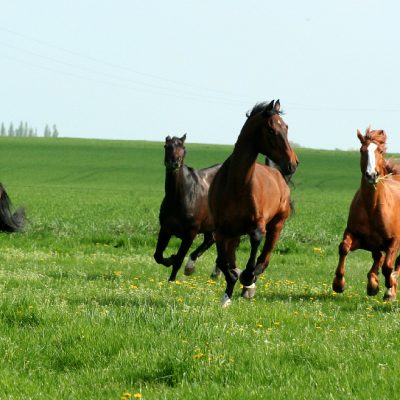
x=189, y=268
x=226, y=301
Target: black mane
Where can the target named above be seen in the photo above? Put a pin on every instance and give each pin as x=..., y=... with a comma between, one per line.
x=263, y=107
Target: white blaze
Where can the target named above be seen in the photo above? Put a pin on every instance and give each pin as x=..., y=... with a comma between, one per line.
x=371, y=166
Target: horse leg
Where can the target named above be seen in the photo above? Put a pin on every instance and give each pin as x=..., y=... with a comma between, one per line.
x=208, y=241
x=248, y=278
x=180, y=255
x=349, y=243
x=373, y=281
x=387, y=270
x=274, y=230
x=231, y=274
x=162, y=243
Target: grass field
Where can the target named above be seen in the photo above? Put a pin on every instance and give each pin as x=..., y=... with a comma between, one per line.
x=86, y=313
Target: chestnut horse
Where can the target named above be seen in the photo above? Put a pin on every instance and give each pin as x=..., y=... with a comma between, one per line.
x=250, y=198
x=184, y=209
x=374, y=218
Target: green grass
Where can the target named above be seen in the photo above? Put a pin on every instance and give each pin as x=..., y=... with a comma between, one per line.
x=85, y=312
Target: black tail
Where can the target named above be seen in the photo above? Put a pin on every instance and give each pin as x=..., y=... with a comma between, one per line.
x=10, y=222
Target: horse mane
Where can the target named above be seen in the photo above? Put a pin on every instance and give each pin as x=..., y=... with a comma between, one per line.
x=262, y=107
x=392, y=166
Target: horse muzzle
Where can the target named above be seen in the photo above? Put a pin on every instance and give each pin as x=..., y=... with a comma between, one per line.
x=372, y=178
x=289, y=169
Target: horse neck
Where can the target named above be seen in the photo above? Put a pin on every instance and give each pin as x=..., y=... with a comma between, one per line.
x=373, y=195
x=243, y=160
x=173, y=182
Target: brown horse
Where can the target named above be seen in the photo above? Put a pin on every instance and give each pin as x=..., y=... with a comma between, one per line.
x=10, y=221
x=374, y=217
x=250, y=198
x=184, y=210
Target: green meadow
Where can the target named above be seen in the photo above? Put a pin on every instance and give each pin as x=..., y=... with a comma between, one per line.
x=86, y=313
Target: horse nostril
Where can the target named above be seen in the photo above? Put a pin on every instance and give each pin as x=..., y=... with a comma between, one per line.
x=292, y=168
x=371, y=176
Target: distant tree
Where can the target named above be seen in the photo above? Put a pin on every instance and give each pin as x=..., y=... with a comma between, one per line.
x=3, y=130
x=20, y=130
x=55, y=131
x=47, y=131
x=26, y=129
x=11, y=131
x=31, y=132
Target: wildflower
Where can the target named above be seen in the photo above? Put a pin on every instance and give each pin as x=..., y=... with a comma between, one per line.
x=133, y=286
x=199, y=355
x=137, y=395
x=117, y=273
x=318, y=250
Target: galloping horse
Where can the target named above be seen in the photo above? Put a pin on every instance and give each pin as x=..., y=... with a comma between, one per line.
x=10, y=222
x=184, y=210
x=250, y=198
x=374, y=217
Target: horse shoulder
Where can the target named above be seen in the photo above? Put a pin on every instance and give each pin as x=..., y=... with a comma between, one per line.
x=270, y=191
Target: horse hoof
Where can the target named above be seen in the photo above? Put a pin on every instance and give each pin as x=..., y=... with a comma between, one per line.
x=338, y=286
x=372, y=290
x=216, y=273
x=190, y=268
x=248, y=292
x=226, y=301
x=389, y=295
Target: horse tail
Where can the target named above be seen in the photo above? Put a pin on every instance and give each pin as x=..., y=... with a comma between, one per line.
x=10, y=222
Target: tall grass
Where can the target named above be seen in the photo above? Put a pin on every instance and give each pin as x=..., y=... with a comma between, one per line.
x=86, y=313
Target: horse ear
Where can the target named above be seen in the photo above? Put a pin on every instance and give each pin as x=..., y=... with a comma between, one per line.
x=168, y=138
x=183, y=138
x=360, y=136
x=277, y=106
x=268, y=108
x=368, y=130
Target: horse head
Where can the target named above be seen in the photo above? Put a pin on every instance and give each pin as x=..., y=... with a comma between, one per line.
x=373, y=148
x=175, y=152
x=273, y=139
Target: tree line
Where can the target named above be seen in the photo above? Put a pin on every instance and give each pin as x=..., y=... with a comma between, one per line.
x=23, y=129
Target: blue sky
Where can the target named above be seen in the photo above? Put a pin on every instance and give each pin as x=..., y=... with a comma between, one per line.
x=144, y=70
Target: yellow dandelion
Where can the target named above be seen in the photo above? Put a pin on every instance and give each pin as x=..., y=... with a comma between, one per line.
x=199, y=355
x=117, y=273
x=318, y=250
x=133, y=286
x=137, y=395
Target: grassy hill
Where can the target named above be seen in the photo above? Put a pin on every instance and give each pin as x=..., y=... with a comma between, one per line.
x=86, y=313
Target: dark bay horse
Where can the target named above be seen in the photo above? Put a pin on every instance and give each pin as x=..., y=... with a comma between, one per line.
x=10, y=221
x=250, y=198
x=184, y=210
x=374, y=218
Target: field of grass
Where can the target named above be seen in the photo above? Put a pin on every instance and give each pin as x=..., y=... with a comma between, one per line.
x=86, y=313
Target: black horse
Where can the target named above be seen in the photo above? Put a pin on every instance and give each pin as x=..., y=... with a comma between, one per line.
x=10, y=222
x=184, y=210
